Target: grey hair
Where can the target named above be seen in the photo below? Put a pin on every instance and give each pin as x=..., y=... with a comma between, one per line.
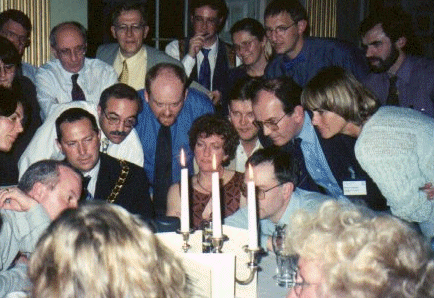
x=55, y=30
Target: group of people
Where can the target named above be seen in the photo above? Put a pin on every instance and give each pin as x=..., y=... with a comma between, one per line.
x=340, y=146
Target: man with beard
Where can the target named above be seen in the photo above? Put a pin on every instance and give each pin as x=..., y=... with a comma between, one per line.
x=169, y=110
x=397, y=78
x=117, y=113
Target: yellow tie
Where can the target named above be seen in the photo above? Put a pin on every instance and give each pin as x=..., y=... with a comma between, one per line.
x=123, y=78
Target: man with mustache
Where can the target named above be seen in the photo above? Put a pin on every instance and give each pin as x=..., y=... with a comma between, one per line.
x=397, y=77
x=117, y=113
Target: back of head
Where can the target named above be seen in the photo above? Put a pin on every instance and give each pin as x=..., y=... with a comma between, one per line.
x=120, y=91
x=9, y=99
x=293, y=7
x=16, y=16
x=362, y=255
x=45, y=172
x=160, y=68
x=252, y=26
x=244, y=89
x=335, y=89
x=100, y=250
x=8, y=52
x=129, y=6
x=285, y=90
x=286, y=168
x=73, y=115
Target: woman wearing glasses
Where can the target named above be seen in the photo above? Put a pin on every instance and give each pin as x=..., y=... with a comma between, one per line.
x=210, y=136
x=345, y=253
x=394, y=145
x=26, y=92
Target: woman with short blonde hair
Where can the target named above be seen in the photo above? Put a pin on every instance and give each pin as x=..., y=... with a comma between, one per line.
x=101, y=250
x=346, y=253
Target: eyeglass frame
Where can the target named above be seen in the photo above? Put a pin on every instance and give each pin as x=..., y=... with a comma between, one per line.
x=207, y=21
x=279, y=29
x=78, y=50
x=25, y=41
x=116, y=121
x=135, y=28
x=8, y=67
x=300, y=285
x=260, y=194
x=269, y=124
x=245, y=45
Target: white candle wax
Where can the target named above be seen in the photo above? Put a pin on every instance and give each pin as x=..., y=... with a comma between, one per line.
x=216, y=210
x=185, y=213
x=251, y=203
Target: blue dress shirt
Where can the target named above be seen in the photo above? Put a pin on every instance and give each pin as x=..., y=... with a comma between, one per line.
x=196, y=104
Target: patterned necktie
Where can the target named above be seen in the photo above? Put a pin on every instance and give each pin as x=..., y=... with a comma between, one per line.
x=123, y=77
x=205, y=70
x=163, y=169
x=104, y=145
x=392, y=97
x=76, y=93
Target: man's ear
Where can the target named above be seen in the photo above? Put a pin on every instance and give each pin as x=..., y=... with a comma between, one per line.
x=298, y=114
x=54, y=52
x=59, y=145
x=288, y=189
x=38, y=192
x=113, y=31
x=146, y=95
x=301, y=26
x=145, y=32
x=99, y=111
x=401, y=42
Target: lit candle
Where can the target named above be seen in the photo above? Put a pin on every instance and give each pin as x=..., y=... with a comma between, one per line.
x=216, y=215
x=185, y=213
x=251, y=203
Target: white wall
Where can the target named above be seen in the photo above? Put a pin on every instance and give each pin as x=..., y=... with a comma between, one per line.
x=68, y=10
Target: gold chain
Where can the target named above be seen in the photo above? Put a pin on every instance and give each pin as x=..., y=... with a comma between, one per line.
x=120, y=183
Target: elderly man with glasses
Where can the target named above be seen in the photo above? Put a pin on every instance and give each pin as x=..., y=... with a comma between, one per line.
x=298, y=56
x=129, y=56
x=71, y=76
x=328, y=166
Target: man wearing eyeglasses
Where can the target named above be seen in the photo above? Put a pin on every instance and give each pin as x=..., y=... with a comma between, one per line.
x=16, y=27
x=129, y=56
x=275, y=174
x=71, y=76
x=105, y=178
x=206, y=58
x=301, y=57
x=117, y=113
x=328, y=166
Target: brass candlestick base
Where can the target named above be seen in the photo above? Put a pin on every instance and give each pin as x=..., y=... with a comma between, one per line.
x=185, y=237
x=217, y=243
x=252, y=264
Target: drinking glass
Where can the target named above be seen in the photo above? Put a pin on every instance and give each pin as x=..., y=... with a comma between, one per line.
x=286, y=263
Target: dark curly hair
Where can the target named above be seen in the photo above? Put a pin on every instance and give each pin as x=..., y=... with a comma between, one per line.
x=210, y=124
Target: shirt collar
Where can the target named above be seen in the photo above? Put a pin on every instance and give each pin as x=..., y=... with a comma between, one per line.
x=307, y=133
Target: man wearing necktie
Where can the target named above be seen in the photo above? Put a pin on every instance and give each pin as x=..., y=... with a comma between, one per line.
x=398, y=77
x=325, y=164
x=71, y=76
x=206, y=58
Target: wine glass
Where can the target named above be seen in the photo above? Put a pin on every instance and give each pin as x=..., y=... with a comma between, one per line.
x=286, y=263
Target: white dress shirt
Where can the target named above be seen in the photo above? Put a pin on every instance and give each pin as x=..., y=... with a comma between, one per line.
x=54, y=84
x=93, y=174
x=43, y=144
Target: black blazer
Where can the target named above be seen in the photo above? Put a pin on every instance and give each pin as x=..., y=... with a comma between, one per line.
x=134, y=195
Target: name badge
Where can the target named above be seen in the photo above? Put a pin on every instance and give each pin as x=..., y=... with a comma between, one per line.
x=355, y=188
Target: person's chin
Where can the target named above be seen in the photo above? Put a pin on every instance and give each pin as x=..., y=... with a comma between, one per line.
x=166, y=121
x=116, y=139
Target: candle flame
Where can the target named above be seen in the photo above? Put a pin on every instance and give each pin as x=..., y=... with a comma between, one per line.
x=250, y=172
x=214, y=163
x=182, y=157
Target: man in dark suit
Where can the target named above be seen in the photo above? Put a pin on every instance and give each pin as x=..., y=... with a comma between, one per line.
x=328, y=165
x=206, y=58
x=116, y=181
x=130, y=57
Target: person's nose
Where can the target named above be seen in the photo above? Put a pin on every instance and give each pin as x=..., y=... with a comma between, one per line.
x=369, y=52
x=267, y=131
x=207, y=151
x=244, y=120
x=19, y=126
x=2, y=71
x=121, y=126
x=315, y=118
x=73, y=204
x=82, y=149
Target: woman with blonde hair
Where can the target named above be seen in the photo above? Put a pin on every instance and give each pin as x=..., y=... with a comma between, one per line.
x=101, y=250
x=346, y=253
x=394, y=144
